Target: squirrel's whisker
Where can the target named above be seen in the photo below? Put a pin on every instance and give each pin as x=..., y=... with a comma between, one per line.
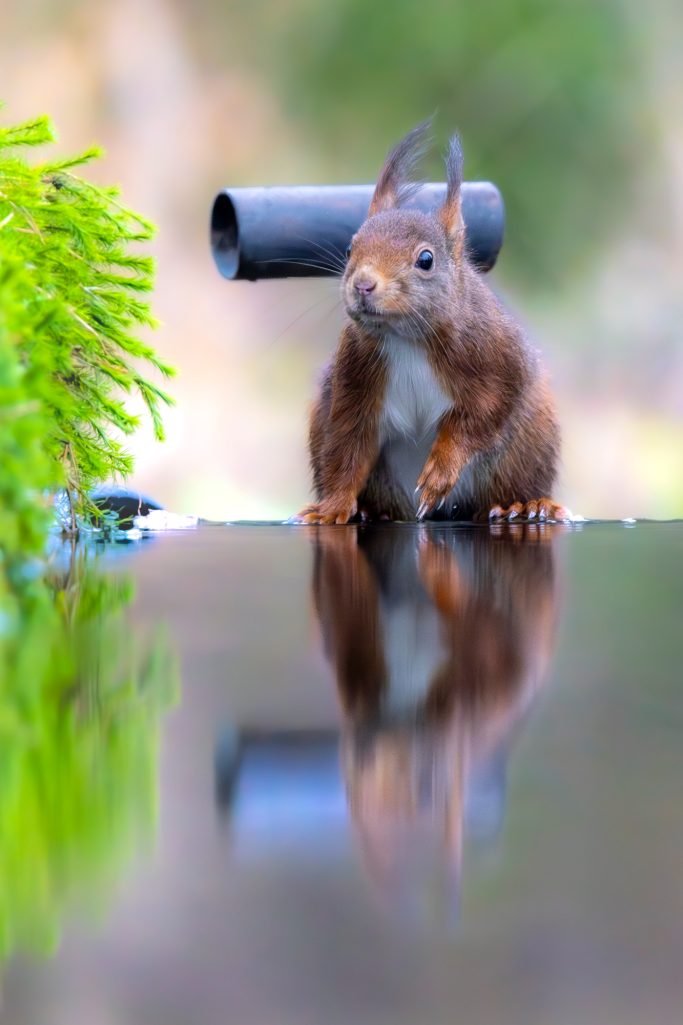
x=331, y=254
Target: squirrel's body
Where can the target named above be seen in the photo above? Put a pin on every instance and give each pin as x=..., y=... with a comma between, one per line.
x=434, y=403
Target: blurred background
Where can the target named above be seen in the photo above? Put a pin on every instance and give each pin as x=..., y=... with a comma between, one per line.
x=573, y=108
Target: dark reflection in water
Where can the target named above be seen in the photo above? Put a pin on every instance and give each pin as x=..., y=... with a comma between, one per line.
x=438, y=640
x=80, y=707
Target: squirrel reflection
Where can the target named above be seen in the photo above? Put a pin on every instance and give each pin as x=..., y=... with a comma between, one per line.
x=439, y=641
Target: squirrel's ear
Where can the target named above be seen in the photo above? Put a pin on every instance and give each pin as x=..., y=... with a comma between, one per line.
x=394, y=185
x=450, y=213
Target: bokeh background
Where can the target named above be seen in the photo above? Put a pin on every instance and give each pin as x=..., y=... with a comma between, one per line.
x=574, y=108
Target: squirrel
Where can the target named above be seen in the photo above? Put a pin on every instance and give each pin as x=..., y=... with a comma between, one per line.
x=439, y=644
x=434, y=405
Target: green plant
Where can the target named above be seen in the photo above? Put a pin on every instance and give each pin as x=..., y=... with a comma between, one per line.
x=73, y=301
x=80, y=701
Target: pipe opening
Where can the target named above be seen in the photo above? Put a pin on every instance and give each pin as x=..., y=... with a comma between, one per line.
x=225, y=243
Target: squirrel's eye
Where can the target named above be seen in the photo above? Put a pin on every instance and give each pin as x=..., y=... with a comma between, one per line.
x=425, y=260
x=348, y=252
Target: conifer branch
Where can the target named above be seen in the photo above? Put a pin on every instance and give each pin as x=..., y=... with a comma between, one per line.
x=73, y=302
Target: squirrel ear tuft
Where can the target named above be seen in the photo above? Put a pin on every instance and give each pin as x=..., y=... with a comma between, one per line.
x=393, y=185
x=450, y=213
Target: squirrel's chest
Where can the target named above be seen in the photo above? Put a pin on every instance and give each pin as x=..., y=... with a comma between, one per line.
x=413, y=399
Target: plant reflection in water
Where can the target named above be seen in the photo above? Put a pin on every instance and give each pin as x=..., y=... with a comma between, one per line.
x=81, y=698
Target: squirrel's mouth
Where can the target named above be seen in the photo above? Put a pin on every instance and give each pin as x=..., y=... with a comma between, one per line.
x=365, y=311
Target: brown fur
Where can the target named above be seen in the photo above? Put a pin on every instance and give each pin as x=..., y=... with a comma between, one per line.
x=501, y=426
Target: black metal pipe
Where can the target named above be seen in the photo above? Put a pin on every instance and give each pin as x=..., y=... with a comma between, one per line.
x=303, y=230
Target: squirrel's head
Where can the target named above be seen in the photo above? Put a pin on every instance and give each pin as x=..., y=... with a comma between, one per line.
x=401, y=262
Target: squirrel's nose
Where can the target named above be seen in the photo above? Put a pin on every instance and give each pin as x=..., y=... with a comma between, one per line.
x=364, y=285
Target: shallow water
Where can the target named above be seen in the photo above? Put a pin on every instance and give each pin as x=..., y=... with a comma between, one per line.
x=407, y=775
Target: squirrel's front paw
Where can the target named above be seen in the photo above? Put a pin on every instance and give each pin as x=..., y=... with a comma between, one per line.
x=434, y=485
x=335, y=509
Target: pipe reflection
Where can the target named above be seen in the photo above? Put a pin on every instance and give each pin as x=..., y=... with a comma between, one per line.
x=439, y=639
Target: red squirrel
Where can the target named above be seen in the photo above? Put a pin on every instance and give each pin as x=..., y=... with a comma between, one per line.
x=434, y=404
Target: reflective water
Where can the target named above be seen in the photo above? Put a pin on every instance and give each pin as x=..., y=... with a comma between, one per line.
x=408, y=775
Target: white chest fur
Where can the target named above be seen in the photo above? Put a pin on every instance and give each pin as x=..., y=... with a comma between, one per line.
x=414, y=400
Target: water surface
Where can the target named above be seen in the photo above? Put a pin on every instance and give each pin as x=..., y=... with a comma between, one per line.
x=409, y=775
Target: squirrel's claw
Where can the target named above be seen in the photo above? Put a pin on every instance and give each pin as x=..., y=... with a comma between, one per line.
x=430, y=504
x=433, y=497
x=332, y=510
x=434, y=485
x=540, y=510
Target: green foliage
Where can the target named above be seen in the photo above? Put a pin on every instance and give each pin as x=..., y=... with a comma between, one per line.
x=79, y=700
x=25, y=467
x=80, y=705
x=73, y=299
